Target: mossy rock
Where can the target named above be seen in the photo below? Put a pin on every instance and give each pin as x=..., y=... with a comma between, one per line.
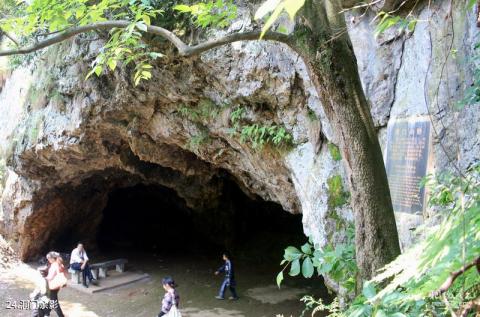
x=337, y=196
x=334, y=152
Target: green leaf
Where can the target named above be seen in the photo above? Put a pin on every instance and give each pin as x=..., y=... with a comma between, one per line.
x=380, y=313
x=112, y=64
x=292, y=7
x=307, y=248
x=279, y=279
x=291, y=253
x=295, y=268
x=276, y=13
x=98, y=70
x=146, y=19
x=369, y=290
x=361, y=311
x=137, y=80
x=307, y=268
x=182, y=8
x=267, y=7
x=146, y=74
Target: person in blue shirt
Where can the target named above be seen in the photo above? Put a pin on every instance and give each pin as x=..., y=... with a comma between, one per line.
x=229, y=280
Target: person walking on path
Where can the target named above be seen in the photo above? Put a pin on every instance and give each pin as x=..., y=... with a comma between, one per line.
x=171, y=297
x=55, y=272
x=229, y=280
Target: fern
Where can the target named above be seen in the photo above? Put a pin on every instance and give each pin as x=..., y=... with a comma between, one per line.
x=260, y=135
x=204, y=110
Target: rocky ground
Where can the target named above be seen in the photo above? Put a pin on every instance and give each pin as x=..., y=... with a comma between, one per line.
x=7, y=255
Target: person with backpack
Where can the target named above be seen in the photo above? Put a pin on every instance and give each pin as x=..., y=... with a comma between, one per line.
x=171, y=300
x=229, y=280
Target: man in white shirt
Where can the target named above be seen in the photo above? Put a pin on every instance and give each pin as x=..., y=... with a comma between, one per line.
x=79, y=262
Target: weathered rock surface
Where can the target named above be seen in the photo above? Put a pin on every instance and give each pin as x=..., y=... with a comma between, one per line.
x=69, y=141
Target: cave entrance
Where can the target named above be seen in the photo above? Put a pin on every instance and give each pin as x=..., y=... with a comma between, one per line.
x=163, y=234
x=154, y=219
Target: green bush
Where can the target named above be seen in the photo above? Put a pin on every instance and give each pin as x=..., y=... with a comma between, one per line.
x=338, y=262
x=437, y=276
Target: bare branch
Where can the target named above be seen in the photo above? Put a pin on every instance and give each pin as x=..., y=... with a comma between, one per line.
x=235, y=37
x=10, y=37
x=475, y=303
x=183, y=49
x=454, y=275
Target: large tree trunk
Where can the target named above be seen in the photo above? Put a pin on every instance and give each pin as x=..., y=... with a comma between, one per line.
x=333, y=69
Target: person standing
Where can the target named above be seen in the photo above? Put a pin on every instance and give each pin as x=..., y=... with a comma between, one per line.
x=39, y=296
x=55, y=269
x=79, y=262
x=229, y=280
x=171, y=297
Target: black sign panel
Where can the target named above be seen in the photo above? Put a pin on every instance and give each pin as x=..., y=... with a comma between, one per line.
x=407, y=162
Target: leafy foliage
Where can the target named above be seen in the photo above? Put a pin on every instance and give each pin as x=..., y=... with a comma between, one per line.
x=260, y=135
x=237, y=115
x=419, y=274
x=44, y=17
x=447, y=248
x=205, y=109
x=41, y=18
x=219, y=13
x=416, y=284
x=388, y=21
x=197, y=140
x=274, y=9
x=338, y=262
x=333, y=309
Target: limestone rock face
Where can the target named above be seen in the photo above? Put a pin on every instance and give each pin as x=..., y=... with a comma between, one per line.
x=67, y=142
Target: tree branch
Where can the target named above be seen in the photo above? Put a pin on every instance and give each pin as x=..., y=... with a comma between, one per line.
x=475, y=303
x=235, y=37
x=10, y=37
x=454, y=275
x=183, y=49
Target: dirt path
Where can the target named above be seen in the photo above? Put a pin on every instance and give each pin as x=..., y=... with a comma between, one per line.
x=197, y=286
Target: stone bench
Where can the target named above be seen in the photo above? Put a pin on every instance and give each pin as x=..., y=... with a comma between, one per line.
x=99, y=270
x=75, y=276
